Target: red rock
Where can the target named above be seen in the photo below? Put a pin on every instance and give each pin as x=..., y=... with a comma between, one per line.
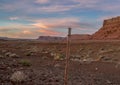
x=110, y=30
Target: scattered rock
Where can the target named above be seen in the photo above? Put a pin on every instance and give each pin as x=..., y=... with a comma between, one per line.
x=96, y=68
x=105, y=58
x=52, y=54
x=81, y=49
x=4, y=51
x=108, y=81
x=44, y=57
x=75, y=59
x=88, y=60
x=106, y=51
x=29, y=54
x=57, y=65
x=1, y=56
x=13, y=55
x=8, y=54
x=117, y=65
x=45, y=52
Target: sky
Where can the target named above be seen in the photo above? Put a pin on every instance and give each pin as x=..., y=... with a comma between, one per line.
x=33, y=18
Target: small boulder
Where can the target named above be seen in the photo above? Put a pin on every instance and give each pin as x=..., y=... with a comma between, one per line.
x=75, y=59
x=4, y=51
x=1, y=56
x=57, y=65
x=13, y=55
x=8, y=54
x=88, y=60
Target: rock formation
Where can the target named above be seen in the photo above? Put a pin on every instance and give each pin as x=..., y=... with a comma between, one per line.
x=110, y=29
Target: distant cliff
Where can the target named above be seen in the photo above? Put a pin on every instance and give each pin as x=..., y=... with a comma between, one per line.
x=110, y=29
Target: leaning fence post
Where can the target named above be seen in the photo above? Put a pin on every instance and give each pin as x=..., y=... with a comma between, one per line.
x=67, y=57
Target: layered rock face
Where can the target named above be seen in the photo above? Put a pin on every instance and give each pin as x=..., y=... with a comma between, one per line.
x=110, y=29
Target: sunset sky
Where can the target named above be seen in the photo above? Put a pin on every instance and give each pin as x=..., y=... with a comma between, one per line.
x=33, y=18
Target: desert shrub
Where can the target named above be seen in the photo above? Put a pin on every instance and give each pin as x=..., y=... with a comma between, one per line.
x=18, y=76
x=58, y=56
x=25, y=62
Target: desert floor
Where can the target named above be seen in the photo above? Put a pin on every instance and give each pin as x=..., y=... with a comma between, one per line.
x=91, y=63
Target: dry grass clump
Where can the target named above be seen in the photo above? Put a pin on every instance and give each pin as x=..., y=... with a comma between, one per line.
x=25, y=63
x=18, y=77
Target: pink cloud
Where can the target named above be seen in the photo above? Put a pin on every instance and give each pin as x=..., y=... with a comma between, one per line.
x=53, y=23
x=42, y=1
x=40, y=25
x=27, y=32
x=50, y=33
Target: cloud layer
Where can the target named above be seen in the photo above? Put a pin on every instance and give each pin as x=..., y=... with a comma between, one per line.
x=32, y=18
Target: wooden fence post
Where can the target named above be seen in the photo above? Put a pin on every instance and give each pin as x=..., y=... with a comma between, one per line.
x=67, y=57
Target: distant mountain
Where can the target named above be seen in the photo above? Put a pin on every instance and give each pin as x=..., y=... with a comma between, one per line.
x=74, y=37
x=50, y=38
x=110, y=30
x=7, y=38
x=3, y=38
